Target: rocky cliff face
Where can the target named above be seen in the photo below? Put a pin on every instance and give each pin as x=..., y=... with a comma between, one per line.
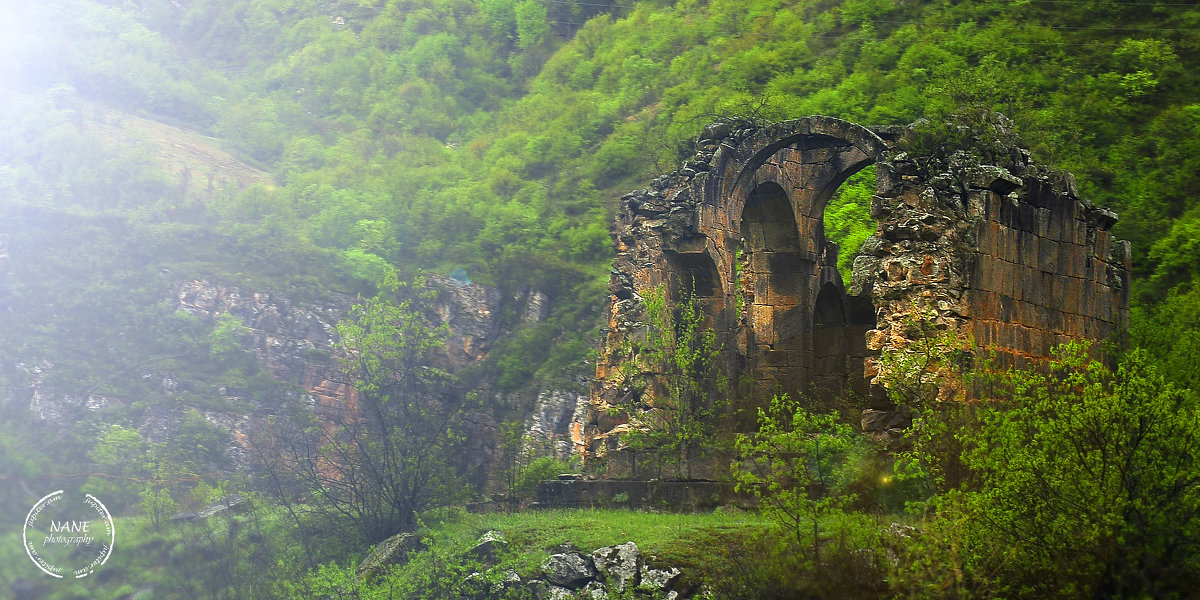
x=295, y=342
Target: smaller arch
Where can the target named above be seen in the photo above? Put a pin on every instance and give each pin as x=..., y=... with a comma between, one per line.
x=768, y=222
x=696, y=275
x=829, y=309
x=693, y=278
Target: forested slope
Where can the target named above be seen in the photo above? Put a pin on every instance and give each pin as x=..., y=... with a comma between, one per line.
x=494, y=136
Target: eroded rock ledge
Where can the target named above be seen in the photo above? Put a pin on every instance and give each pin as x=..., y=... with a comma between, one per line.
x=294, y=343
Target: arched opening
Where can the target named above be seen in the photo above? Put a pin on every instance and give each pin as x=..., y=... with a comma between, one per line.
x=773, y=277
x=841, y=321
x=828, y=310
x=847, y=217
x=697, y=276
x=693, y=277
x=801, y=331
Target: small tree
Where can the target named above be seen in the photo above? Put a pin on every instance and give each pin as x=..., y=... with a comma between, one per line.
x=677, y=373
x=1092, y=477
x=514, y=459
x=385, y=453
x=796, y=466
x=137, y=472
x=800, y=465
x=929, y=378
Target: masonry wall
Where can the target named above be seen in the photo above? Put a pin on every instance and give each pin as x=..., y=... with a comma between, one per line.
x=1009, y=257
x=978, y=242
x=1047, y=272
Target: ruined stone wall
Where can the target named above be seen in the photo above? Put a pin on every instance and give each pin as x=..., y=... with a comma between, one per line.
x=984, y=243
x=1048, y=271
x=1007, y=255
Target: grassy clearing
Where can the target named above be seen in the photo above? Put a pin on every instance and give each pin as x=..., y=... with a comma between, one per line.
x=680, y=540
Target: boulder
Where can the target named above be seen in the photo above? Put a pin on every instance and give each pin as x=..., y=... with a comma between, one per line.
x=235, y=503
x=716, y=131
x=560, y=593
x=660, y=579
x=595, y=590
x=569, y=570
x=541, y=590
x=619, y=566
x=488, y=548
x=392, y=551
x=875, y=420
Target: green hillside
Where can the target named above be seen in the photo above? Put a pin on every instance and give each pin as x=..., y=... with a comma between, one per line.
x=509, y=128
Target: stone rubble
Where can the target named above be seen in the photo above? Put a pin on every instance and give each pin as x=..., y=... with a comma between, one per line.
x=569, y=573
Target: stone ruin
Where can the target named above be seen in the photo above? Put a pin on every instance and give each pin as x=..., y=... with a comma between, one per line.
x=975, y=240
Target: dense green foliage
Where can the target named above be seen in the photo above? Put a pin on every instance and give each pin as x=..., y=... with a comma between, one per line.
x=385, y=454
x=1099, y=473
x=680, y=400
x=1087, y=486
x=508, y=127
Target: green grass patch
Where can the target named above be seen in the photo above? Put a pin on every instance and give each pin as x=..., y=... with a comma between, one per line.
x=667, y=539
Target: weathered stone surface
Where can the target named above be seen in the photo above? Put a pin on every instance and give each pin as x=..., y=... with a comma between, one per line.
x=570, y=570
x=555, y=592
x=296, y=344
x=556, y=422
x=392, y=551
x=716, y=131
x=595, y=590
x=489, y=547
x=875, y=420
x=507, y=584
x=660, y=579
x=891, y=419
x=620, y=566
x=618, y=570
x=980, y=242
x=235, y=503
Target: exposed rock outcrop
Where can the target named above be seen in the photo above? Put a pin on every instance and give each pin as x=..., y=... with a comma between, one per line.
x=295, y=343
x=571, y=570
x=489, y=547
x=571, y=574
x=620, y=567
x=556, y=420
x=392, y=551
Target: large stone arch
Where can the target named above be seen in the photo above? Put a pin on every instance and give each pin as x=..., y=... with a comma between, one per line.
x=803, y=161
x=812, y=137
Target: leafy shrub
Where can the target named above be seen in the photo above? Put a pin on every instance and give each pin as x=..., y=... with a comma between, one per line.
x=1089, y=488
